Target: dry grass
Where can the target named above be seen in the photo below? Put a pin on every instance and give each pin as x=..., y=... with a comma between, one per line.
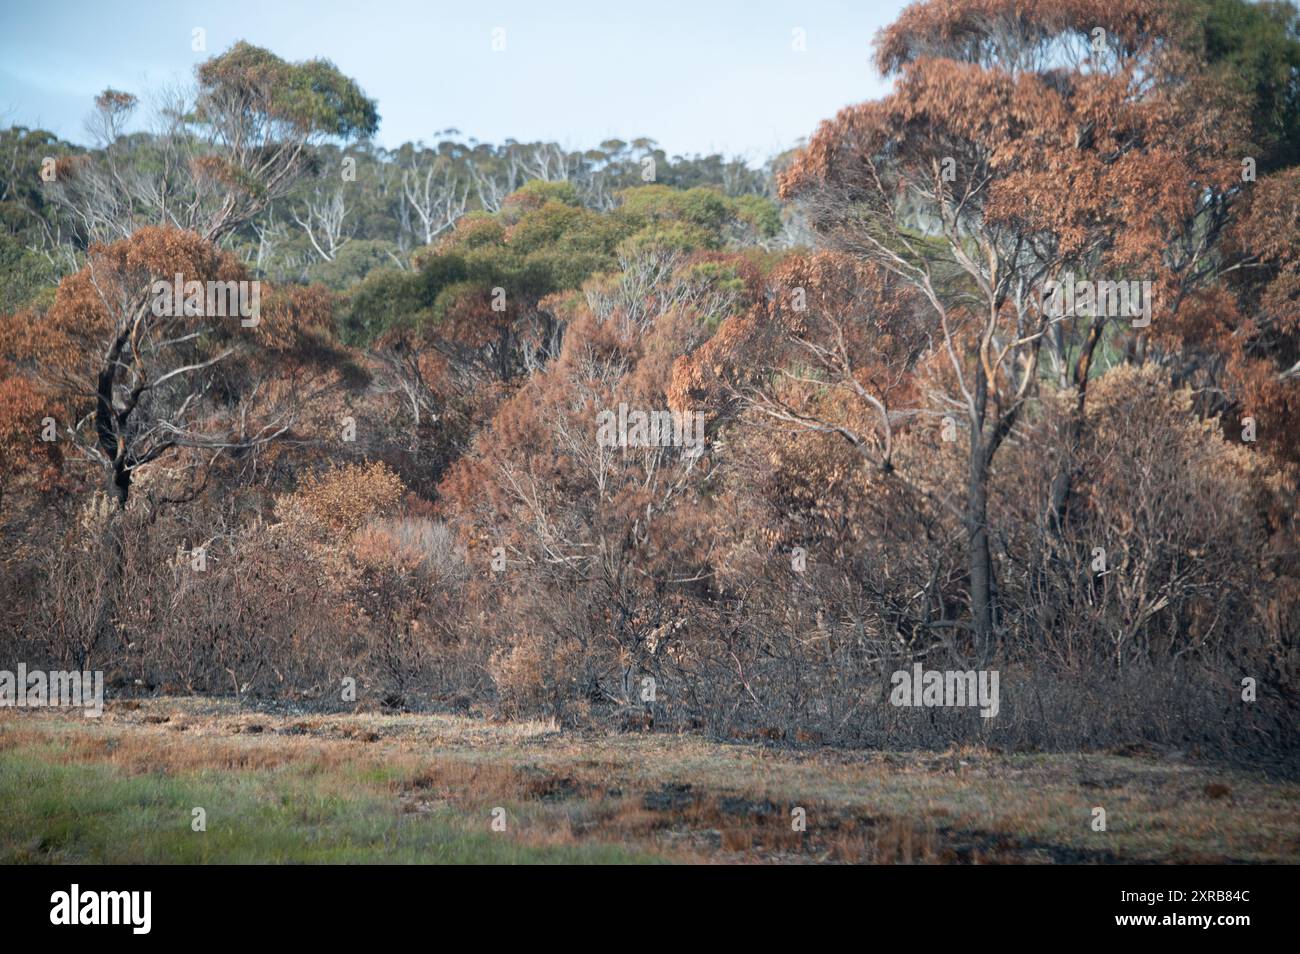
x=684, y=798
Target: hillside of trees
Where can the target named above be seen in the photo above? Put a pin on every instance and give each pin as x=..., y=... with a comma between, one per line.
x=393, y=471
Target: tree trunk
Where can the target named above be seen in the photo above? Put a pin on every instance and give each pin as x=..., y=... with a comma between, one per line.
x=113, y=549
x=119, y=486
x=1063, y=483
x=980, y=559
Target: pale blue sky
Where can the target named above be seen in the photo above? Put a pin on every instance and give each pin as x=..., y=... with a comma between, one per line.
x=704, y=76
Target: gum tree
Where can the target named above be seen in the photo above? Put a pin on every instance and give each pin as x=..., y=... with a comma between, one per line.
x=1023, y=143
x=221, y=154
x=143, y=374
x=140, y=379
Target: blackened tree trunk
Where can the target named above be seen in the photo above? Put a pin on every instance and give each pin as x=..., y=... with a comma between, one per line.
x=982, y=587
x=1063, y=484
x=109, y=426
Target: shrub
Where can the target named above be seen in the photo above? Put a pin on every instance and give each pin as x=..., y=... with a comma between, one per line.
x=340, y=500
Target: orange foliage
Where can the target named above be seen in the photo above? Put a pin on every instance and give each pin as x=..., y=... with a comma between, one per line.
x=340, y=500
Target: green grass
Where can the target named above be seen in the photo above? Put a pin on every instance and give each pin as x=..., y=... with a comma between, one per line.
x=94, y=813
x=367, y=787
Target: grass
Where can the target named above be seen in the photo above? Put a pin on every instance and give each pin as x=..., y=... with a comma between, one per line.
x=96, y=813
x=422, y=788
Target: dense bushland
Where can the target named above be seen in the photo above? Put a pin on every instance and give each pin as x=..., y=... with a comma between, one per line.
x=396, y=476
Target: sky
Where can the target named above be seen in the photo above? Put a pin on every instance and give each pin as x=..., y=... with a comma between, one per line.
x=707, y=76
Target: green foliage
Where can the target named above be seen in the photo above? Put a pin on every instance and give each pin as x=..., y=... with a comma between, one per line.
x=671, y=236
x=24, y=209
x=760, y=212
x=337, y=105
x=385, y=299
x=561, y=227
x=544, y=241
x=536, y=193
x=312, y=96
x=479, y=230
x=725, y=283
x=656, y=203
x=1256, y=47
x=695, y=218
x=353, y=262
x=25, y=275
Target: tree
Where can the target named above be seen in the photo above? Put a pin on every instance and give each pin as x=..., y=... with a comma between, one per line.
x=325, y=223
x=435, y=195
x=604, y=541
x=1022, y=145
x=217, y=158
x=147, y=368
x=1255, y=47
